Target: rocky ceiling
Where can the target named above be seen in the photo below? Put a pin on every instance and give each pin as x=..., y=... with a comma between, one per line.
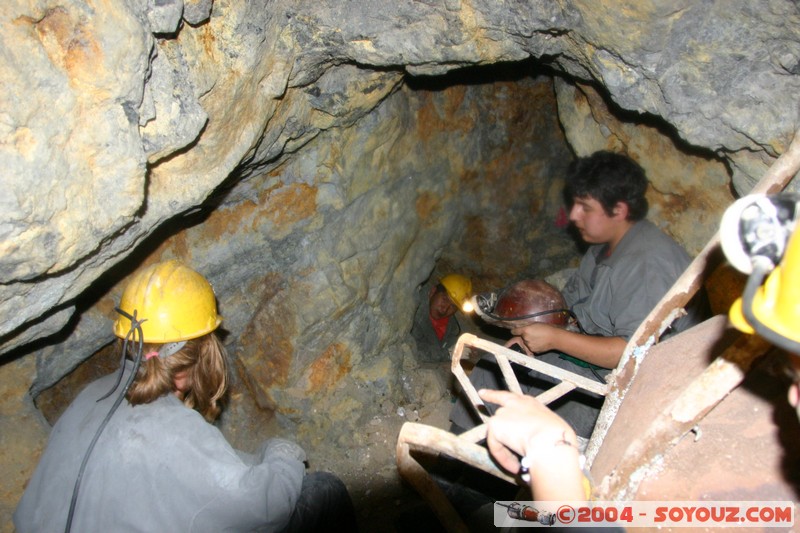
x=118, y=116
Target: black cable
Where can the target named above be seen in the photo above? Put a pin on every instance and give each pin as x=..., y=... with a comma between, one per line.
x=596, y=373
x=136, y=328
x=121, y=366
x=531, y=315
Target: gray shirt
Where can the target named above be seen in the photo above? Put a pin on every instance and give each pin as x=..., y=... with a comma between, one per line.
x=155, y=467
x=612, y=295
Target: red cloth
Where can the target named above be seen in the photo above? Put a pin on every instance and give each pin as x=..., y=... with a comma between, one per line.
x=440, y=326
x=562, y=218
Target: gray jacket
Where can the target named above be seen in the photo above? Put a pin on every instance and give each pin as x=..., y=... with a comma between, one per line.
x=155, y=467
x=612, y=295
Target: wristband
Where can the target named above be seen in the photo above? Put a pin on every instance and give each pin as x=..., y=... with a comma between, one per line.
x=527, y=461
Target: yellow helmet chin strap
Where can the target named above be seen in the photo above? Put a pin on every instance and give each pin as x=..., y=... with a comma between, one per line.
x=170, y=348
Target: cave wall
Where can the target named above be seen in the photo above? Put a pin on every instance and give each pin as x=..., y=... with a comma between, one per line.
x=280, y=148
x=150, y=106
x=318, y=263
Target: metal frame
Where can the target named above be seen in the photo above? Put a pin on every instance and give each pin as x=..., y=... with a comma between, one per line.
x=419, y=438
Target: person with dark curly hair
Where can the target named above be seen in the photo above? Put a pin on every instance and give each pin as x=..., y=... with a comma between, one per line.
x=629, y=266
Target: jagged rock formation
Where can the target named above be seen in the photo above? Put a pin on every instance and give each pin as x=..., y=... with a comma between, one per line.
x=316, y=161
x=122, y=116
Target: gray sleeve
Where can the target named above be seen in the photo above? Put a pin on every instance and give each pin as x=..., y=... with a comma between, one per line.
x=637, y=289
x=262, y=494
x=160, y=466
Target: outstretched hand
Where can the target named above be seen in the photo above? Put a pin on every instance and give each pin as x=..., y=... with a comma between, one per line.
x=519, y=426
x=524, y=427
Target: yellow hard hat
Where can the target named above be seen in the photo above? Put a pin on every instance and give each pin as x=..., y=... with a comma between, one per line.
x=174, y=303
x=458, y=287
x=776, y=304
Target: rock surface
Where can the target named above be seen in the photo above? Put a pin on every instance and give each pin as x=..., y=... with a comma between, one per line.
x=318, y=161
x=119, y=118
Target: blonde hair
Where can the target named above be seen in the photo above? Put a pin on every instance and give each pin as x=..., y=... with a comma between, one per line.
x=205, y=363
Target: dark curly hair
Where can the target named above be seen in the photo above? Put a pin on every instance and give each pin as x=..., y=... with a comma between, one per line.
x=608, y=178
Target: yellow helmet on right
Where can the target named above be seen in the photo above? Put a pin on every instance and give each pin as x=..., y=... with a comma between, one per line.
x=759, y=237
x=458, y=287
x=172, y=301
x=776, y=303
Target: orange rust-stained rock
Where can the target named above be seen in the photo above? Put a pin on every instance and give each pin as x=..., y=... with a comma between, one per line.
x=723, y=286
x=230, y=220
x=69, y=44
x=472, y=179
x=208, y=39
x=428, y=121
x=329, y=368
x=427, y=206
x=454, y=118
x=282, y=205
x=292, y=203
x=266, y=350
x=454, y=102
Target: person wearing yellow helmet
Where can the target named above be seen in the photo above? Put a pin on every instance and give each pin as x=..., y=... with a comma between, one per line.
x=759, y=236
x=436, y=329
x=459, y=289
x=136, y=450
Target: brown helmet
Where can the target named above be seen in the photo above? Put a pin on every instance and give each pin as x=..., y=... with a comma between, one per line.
x=523, y=303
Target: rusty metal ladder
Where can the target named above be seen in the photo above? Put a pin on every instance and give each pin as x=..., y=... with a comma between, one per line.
x=698, y=397
x=419, y=438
